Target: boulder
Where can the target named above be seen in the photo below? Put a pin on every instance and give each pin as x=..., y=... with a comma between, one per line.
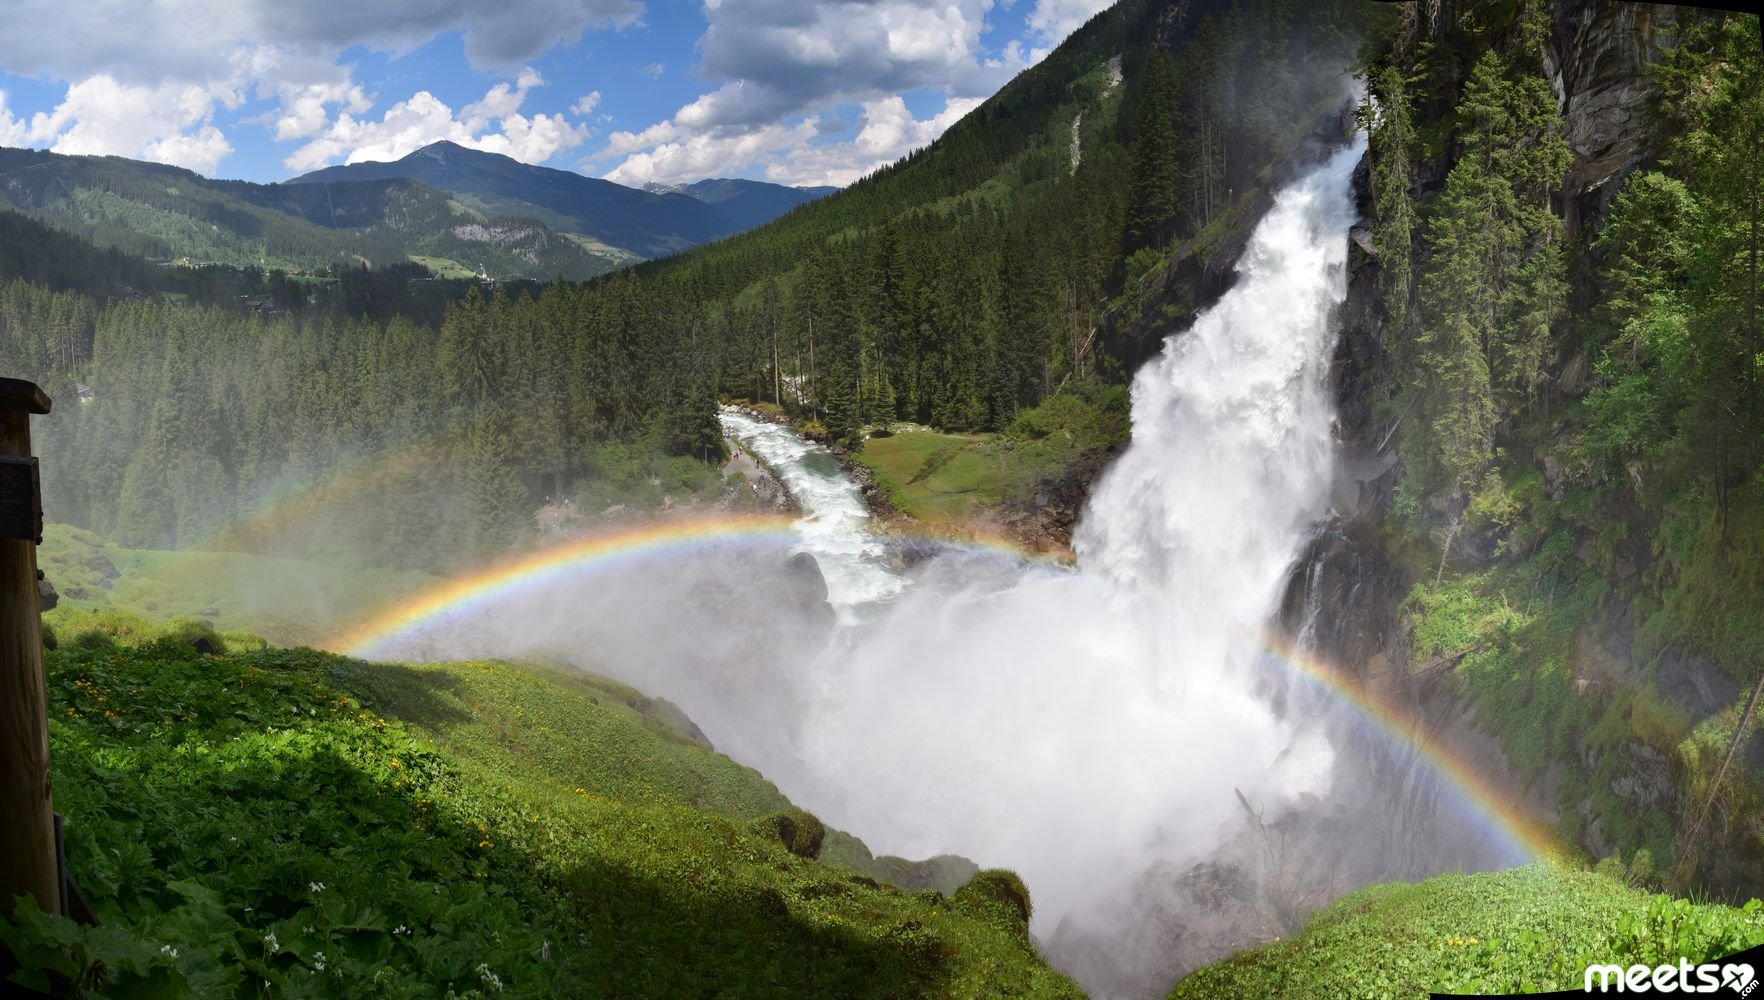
x=47, y=598
x=800, y=832
x=101, y=567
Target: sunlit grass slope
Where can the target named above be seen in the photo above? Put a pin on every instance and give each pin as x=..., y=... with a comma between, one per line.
x=933, y=476
x=288, y=600
x=1523, y=930
x=269, y=821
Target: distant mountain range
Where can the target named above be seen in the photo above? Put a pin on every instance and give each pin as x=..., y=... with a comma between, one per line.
x=649, y=223
x=745, y=204
x=453, y=209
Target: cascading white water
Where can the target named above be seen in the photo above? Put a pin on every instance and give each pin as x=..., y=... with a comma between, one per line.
x=1098, y=730
x=1084, y=727
x=835, y=526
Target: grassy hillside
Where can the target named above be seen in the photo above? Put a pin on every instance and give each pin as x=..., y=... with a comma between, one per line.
x=1524, y=930
x=266, y=821
x=287, y=600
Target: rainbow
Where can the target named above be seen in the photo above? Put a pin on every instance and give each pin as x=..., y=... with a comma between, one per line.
x=1501, y=817
x=597, y=552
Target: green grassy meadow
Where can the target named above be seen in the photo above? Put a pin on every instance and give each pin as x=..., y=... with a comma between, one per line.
x=289, y=601
x=940, y=477
x=1518, y=931
x=271, y=821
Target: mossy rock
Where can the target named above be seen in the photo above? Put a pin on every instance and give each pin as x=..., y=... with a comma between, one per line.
x=799, y=831
x=94, y=640
x=999, y=894
x=191, y=635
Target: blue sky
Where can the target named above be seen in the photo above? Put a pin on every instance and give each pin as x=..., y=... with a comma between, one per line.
x=640, y=91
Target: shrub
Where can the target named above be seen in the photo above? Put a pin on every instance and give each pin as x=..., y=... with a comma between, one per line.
x=998, y=892
x=799, y=831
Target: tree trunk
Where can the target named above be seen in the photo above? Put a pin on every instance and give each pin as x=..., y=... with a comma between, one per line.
x=28, y=864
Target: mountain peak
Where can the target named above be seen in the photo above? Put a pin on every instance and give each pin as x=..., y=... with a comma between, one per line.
x=440, y=149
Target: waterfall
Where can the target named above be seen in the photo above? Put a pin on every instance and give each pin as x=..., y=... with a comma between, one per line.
x=1104, y=731
x=1086, y=727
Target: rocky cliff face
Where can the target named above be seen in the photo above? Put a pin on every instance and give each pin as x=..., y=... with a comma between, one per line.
x=1596, y=55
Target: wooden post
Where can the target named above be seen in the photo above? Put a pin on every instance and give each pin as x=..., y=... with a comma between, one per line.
x=27, y=824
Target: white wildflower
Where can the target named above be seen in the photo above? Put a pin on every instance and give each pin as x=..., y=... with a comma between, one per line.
x=316, y=886
x=318, y=961
x=490, y=978
x=270, y=942
x=166, y=949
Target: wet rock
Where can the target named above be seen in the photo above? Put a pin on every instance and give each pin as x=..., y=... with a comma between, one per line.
x=1646, y=778
x=806, y=589
x=101, y=567
x=1694, y=683
x=1566, y=467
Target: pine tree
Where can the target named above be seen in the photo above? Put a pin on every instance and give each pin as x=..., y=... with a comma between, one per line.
x=1151, y=211
x=1392, y=138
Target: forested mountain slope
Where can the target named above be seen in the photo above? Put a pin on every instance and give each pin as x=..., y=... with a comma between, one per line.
x=167, y=213
x=1551, y=404
x=961, y=285
x=640, y=222
x=957, y=289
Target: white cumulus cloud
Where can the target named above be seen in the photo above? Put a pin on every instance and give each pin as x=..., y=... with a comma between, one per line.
x=167, y=123
x=492, y=123
x=144, y=78
x=667, y=154
x=778, y=64
x=12, y=131
x=1052, y=20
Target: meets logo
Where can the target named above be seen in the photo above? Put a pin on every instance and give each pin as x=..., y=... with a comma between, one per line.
x=1681, y=978
x=1733, y=976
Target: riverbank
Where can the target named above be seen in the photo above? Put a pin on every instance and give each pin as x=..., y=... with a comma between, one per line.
x=918, y=483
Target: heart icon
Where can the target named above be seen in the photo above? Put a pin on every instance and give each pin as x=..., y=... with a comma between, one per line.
x=1736, y=977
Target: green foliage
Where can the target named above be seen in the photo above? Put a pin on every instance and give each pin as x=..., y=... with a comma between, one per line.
x=800, y=832
x=999, y=895
x=285, y=820
x=1493, y=285
x=1492, y=503
x=1151, y=212
x=1715, y=601
x=1524, y=930
x=1392, y=141
x=393, y=443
